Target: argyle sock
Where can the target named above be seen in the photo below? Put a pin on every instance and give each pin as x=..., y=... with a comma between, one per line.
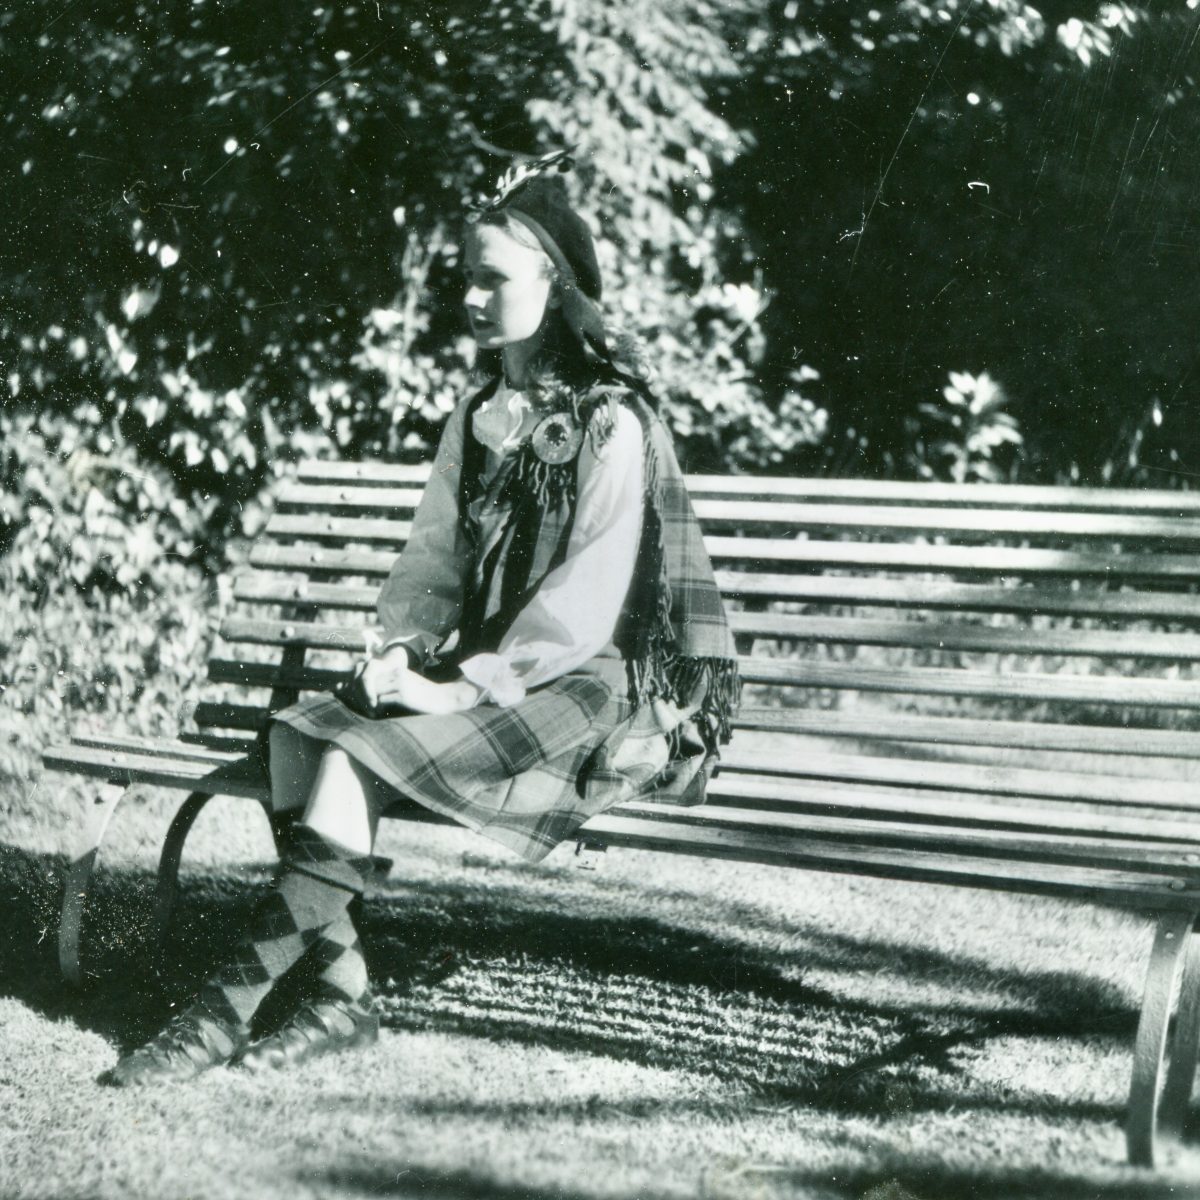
x=312, y=892
x=339, y=964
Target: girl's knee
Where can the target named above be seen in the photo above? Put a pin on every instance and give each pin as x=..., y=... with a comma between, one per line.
x=339, y=774
x=336, y=759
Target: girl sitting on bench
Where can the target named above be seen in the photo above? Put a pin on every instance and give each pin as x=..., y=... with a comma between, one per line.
x=553, y=642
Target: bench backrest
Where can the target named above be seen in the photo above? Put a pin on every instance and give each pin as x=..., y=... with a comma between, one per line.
x=1013, y=597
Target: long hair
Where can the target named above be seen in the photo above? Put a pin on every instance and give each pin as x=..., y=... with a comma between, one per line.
x=565, y=361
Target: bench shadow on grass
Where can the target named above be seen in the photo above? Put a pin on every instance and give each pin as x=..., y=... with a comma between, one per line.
x=127, y=988
x=379, y=1179
x=933, y=1181
x=924, y=1181
x=485, y=960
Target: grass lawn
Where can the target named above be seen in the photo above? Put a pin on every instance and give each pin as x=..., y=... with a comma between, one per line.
x=658, y=1028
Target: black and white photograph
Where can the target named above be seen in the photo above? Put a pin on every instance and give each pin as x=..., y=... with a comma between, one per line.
x=600, y=600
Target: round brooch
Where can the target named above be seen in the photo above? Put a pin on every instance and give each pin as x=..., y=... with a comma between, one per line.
x=557, y=439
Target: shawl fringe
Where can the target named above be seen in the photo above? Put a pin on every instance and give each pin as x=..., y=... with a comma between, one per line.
x=708, y=687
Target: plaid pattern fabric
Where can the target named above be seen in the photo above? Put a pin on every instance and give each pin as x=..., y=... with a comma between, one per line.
x=319, y=857
x=518, y=775
x=697, y=613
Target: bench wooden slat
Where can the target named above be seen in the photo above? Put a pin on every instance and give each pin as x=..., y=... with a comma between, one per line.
x=124, y=766
x=970, y=495
x=991, y=779
x=966, y=560
x=328, y=524
x=132, y=743
x=211, y=714
x=387, y=474
x=270, y=675
x=930, y=681
x=311, y=635
x=1160, y=892
x=339, y=530
x=256, y=587
x=974, y=560
x=986, y=523
x=1031, y=845
x=932, y=635
x=886, y=728
x=341, y=498
x=936, y=681
x=1048, y=598
x=321, y=561
x=949, y=495
x=321, y=502
x=1144, y=824
x=264, y=588
x=969, y=638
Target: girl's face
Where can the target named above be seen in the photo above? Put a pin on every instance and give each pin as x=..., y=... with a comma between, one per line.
x=508, y=287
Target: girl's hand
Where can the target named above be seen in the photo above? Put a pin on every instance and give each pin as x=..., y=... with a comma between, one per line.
x=385, y=673
x=414, y=693
x=387, y=686
x=361, y=692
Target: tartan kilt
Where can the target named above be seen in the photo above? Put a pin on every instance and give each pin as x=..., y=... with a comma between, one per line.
x=516, y=775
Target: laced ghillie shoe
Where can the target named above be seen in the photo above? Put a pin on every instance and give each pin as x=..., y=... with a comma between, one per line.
x=189, y=1045
x=320, y=1026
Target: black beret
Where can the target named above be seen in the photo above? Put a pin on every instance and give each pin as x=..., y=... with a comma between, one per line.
x=541, y=205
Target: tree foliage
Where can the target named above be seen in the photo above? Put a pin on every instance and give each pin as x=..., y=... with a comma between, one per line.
x=234, y=227
x=232, y=237
x=981, y=187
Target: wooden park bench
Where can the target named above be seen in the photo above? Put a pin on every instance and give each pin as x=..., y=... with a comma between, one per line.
x=977, y=685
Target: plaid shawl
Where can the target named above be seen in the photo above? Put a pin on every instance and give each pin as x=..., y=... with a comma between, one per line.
x=673, y=634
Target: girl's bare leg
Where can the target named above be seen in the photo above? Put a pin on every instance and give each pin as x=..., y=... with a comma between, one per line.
x=345, y=802
x=341, y=800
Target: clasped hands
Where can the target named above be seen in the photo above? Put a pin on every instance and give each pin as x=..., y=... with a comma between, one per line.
x=385, y=685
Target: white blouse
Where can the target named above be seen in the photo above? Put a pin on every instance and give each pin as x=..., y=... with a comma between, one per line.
x=575, y=611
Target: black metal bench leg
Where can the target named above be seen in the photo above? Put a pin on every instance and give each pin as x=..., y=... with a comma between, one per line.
x=166, y=891
x=1185, y=1047
x=1149, y=1053
x=79, y=879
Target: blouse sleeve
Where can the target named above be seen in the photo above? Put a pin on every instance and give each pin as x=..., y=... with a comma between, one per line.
x=421, y=600
x=575, y=610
